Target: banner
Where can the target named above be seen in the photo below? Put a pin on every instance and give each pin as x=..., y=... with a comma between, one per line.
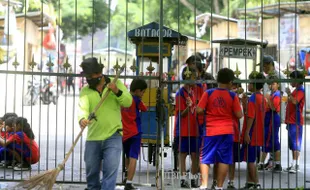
x=250, y=28
x=288, y=31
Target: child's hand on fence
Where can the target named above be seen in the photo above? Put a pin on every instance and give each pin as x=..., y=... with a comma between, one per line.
x=240, y=90
x=288, y=91
x=189, y=102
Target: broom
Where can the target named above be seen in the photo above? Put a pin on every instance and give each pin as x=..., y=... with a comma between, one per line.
x=47, y=179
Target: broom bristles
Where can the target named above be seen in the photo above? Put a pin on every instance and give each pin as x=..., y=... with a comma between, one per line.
x=45, y=179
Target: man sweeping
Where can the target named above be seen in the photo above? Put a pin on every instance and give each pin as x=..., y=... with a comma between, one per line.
x=104, y=135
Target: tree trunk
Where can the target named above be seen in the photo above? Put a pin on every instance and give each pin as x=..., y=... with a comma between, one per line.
x=216, y=6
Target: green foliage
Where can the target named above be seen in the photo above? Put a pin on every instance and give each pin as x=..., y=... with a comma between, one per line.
x=86, y=17
x=140, y=12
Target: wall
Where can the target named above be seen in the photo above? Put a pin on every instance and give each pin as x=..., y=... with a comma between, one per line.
x=196, y=45
x=270, y=31
x=221, y=30
x=23, y=40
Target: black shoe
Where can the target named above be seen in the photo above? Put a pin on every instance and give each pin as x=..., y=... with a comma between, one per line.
x=194, y=183
x=5, y=163
x=231, y=185
x=257, y=186
x=260, y=167
x=129, y=186
x=249, y=186
x=184, y=184
x=277, y=168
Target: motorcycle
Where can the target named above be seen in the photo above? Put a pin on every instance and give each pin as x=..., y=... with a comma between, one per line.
x=47, y=92
x=33, y=92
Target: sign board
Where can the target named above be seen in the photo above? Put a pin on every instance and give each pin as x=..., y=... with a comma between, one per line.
x=153, y=33
x=237, y=51
x=248, y=29
x=152, y=49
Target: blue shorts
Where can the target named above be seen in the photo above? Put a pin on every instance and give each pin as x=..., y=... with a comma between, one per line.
x=236, y=152
x=216, y=149
x=249, y=153
x=272, y=141
x=132, y=147
x=189, y=145
x=295, y=136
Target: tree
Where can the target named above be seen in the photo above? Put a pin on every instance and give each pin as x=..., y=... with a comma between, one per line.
x=176, y=15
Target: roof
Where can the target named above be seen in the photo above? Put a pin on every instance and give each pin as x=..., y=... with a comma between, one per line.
x=197, y=39
x=213, y=18
x=111, y=49
x=276, y=10
x=35, y=17
x=242, y=41
x=150, y=32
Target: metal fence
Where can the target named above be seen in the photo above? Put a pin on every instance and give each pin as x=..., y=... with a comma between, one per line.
x=41, y=82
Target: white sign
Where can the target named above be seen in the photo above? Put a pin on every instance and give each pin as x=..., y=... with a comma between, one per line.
x=248, y=52
x=249, y=29
x=167, y=33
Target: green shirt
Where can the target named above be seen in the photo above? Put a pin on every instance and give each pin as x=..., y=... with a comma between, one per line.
x=108, y=115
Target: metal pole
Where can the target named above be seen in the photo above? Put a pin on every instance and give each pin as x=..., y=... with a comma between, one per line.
x=161, y=91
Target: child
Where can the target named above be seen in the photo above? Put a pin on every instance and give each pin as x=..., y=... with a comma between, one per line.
x=294, y=119
x=2, y=122
x=272, y=126
x=186, y=129
x=253, y=128
x=220, y=105
x=236, y=88
x=6, y=156
x=194, y=62
x=132, y=129
x=21, y=143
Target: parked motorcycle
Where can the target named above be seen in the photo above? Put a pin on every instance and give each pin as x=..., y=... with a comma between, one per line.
x=33, y=92
x=46, y=92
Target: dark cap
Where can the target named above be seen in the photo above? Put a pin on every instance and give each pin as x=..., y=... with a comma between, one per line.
x=202, y=57
x=193, y=59
x=266, y=59
x=91, y=66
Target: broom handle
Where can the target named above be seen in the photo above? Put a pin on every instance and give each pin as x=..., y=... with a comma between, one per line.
x=61, y=166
